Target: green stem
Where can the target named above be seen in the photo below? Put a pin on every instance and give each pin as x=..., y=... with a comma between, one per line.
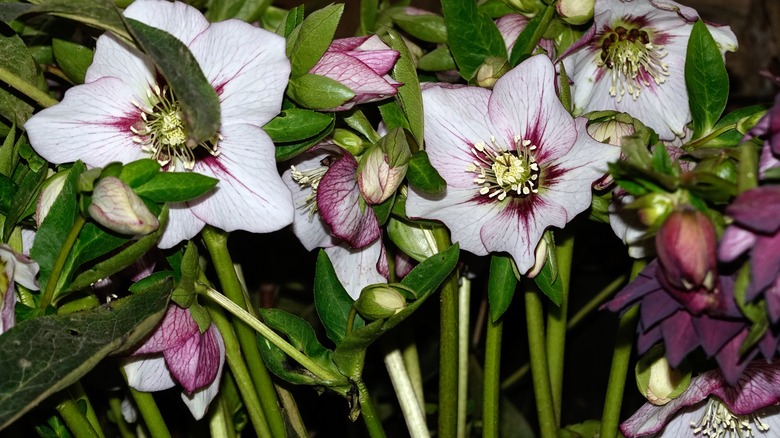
x=216, y=242
x=220, y=421
x=59, y=262
x=464, y=309
x=26, y=88
x=267, y=333
x=491, y=390
x=367, y=411
x=294, y=418
x=116, y=410
x=714, y=134
x=149, y=412
x=412, y=360
x=620, y=361
x=556, y=322
x=79, y=394
x=448, y=347
x=241, y=373
x=350, y=320
x=77, y=422
x=534, y=313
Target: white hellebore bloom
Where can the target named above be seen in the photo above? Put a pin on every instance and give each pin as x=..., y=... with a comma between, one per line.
x=125, y=112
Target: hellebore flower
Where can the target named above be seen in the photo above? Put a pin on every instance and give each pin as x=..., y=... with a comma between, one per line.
x=710, y=407
x=362, y=64
x=632, y=60
x=686, y=319
x=125, y=111
x=116, y=206
x=15, y=268
x=514, y=160
x=329, y=215
x=687, y=250
x=756, y=229
x=177, y=352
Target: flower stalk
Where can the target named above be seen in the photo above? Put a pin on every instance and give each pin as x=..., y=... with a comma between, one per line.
x=534, y=315
x=149, y=411
x=59, y=263
x=556, y=322
x=29, y=90
x=77, y=422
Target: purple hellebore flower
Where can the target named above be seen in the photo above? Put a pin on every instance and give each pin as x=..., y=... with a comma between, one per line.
x=632, y=60
x=710, y=407
x=514, y=160
x=125, y=112
x=362, y=64
x=14, y=267
x=769, y=129
x=178, y=352
x=686, y=319
x=687, y=250
x=755, y=229
x=331, y=214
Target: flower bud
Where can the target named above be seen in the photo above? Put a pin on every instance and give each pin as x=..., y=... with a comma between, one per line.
x=687, y=250
x=526, y=6
x=657, y=380
x=575, y=11
x=612, y=130
x=653, y=208
x=117, y=207
x=489, y=72
x=349, y=141
x=379, y=301
x=383, y=167
x=49, y=193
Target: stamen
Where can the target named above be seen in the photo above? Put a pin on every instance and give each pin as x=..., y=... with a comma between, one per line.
x=309, y=178
x=718, y=421
x=633, y=61
x=502, y=172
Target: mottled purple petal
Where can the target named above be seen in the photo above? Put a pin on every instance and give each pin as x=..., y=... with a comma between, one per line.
x=715, y=333
x=679, y=337
x=176, y=328
x=731, y=362
x=196, y=363
x=765, y=264
x=735, y=242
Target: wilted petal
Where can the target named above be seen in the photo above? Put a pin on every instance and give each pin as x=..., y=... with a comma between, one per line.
x=148, y=373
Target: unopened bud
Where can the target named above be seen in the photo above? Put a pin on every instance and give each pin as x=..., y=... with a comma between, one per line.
x=687, y=250
x=541, y=258
x=653, y=208
x=527, y=6
x=491, y=70
x=575, y=11
x=379, y=301
x=117, y=207
x=383, y=167
x=657, y=380
x=348, y=141
x=49, y=193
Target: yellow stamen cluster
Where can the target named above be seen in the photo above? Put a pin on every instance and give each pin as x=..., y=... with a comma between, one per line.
x=502, y=172
x=163, y=134
x=632, y=58
x=309, y=178
x=718, y=422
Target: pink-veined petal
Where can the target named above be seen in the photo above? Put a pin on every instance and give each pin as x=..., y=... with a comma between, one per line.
x=367, y=85
x=197, y=362
x=116, y=59
x=250, y=194
x=92, y=124
x=357, y=268
x=248, y=68
x=510, y=26
x=182, y=225
x=148, y=373
x=178, y=19
x=176, y=328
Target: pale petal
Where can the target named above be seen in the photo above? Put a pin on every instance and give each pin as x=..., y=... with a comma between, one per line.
x=357, y=268
x=92, y=124
x=248, y=68
x=510, y=26
x=116, y=59
x=308, y=228
x=198, y=402
x=182, y=225
x=148, y=373
x=19, y=268
x=176, y=328
x=524, y=104
x=7, y=306
x=129, y=412
x=250, y=195
x=178, y=19
x=626, y=225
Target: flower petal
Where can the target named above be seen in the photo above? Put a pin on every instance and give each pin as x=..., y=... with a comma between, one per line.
x=176, y=328
x=734, y=243
x=679, y=336
x=178, y=19
x=367, y=85
x=248, y=68
x=307, y=226
x=358, y=268
x=765, y=264
x=148, y=373
x=757, y=209
x=182, y=225
x=197, y=362
x=250, y=195
x=116, y=59
x=342, y=208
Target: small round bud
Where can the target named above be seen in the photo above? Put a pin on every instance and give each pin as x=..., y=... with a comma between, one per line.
x=117, y=207
x=379, y=301
x=657, y=380
x=349, y=141
x=575, y=11
x=654, y=207
x=489, y=72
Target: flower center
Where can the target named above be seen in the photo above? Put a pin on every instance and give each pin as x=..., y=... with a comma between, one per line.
x=501, y=172
x=309, y=178
x=633, y=60
x=718, y=421
x=163, y=134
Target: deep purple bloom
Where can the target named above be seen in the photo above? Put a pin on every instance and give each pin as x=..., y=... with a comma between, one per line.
x=362, y=64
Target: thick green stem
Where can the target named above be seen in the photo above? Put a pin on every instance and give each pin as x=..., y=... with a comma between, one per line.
x=621, y=356
x=220, y=421
x=367, y=411
x=491, y=390
x=534, y=314
x=712, y=135
x=556, y=322
x=79, y=394
x=77, y=422
x=412, y=360
x=464, y=309
x=149, y=412
x=216, y=242
x=59, y=263
x=116, y=410
x=241, y=373
x=26, y=88
x=448, y=347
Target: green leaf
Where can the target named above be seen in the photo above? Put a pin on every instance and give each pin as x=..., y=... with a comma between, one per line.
x=288, y=151
x=409, y=93
x=471, y=35
x=368, y=12
x=428, y=275
x=18, y=62
x=124, y=258
x=28, y=186
x=313, y=38
x=73, y=59
x=56, y=226
x=176, y=186
x=439, y=59
x=332, y=300
x=7, y=191
x=318, y=92
x=393, y=116
x=414, y=238
x=426, y=27
x=139, y=172
x=706, y=79
x=501, y=285
x=101, y=14
x=9, y=155
x=93, y=242
x=423, y=176
x=383, y=210
x=198, y=100
x=495, y=8
x=549, y=283
x=733, y=137
x=290, y=21
x=44, y=355
x=662, y=163
x=296, y=124
x=523, y=46
x=220, y=10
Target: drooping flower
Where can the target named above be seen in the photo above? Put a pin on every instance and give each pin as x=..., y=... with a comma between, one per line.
x=632, y=60
x=710, y=407
x=362, y=64
x=14, y=267
x=177, y=352
x=687, y=245
x=125, y=111
x=329, y=215
x=514, y=160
